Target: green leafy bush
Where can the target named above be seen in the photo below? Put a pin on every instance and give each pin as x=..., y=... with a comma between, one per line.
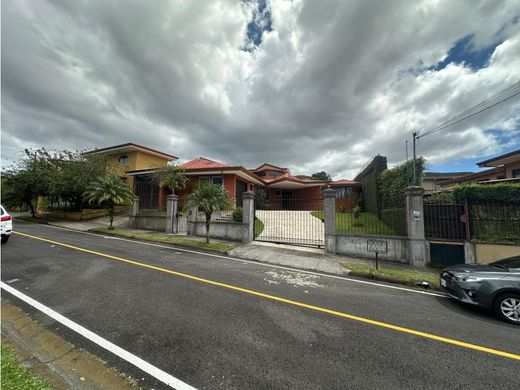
x=343, y=209
x=238, y=214
x=487, y=193
x=440, y=197
x=394, y=181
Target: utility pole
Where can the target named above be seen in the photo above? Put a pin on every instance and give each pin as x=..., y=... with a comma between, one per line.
x=414, y=134
x=406, y=146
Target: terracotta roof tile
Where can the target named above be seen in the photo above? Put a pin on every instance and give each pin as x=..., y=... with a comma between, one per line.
x=201, y=163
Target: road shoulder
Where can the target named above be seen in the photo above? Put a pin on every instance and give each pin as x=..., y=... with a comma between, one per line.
x=55, y=359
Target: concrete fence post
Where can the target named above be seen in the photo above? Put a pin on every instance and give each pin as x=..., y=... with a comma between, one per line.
x=248, y=216
x=417, y=245
x=329, y=196
x=192, y=220
x=172, y=203
x=134, y=210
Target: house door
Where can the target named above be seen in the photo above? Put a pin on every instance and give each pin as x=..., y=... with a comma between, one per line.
x=241, y=187
x=286, y=200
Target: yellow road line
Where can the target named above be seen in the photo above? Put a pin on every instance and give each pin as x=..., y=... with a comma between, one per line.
x=288, y=301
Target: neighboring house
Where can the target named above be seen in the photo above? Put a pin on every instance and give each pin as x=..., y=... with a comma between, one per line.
x=347, y=191
x=432, y=180
x=503, y=169
x=285, y=191
x=128, y=157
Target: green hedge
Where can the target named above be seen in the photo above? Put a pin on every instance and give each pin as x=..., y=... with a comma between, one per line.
x=487, y=193
x=394, y=181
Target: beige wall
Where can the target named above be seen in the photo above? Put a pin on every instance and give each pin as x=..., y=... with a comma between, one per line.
x=510, y=167
x=487, y=253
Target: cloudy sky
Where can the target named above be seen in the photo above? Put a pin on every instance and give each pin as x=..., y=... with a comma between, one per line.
x=311, y=85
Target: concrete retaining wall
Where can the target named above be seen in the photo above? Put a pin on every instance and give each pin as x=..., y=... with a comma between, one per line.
x=486, y=253
x=148, y=223
x=356, y=246
x=232, y=231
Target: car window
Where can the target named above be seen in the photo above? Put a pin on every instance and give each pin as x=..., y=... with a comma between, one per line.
x=510, y=262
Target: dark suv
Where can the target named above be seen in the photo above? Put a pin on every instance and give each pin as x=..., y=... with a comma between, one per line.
x=494, y=286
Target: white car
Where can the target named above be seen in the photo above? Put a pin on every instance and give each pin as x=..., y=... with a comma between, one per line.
x=6, y=225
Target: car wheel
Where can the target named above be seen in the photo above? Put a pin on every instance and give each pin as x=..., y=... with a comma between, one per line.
x=4, y=239
x=507, y=307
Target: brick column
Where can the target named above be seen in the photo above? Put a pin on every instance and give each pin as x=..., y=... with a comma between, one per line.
x=172, y=202
x=248, y=217
x=329, y=196
x=417, y=245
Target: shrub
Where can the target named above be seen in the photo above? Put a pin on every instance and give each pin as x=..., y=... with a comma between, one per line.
x=394, y=181
x=357, y=215
x=487, y=193
x=238, y=214
x=440, y=197
x=343, y=209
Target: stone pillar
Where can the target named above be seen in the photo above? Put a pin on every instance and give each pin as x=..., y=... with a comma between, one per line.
x=470, y=256
x=172, y=202
x=329, y=196
x=134, y=210
x=248, y=217
x=417, y=246
x=192, y=220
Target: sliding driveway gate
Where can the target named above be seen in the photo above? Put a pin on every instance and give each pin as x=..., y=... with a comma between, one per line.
x=291, y=221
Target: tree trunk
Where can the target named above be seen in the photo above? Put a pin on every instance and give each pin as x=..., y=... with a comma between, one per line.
x=32, y=209
x=111, y=213
x=208, y=222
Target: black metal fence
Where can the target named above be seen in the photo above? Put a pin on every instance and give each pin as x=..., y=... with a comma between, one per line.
x=389, y=221
x=295, y=221
x=445, y=221
x=493, y=222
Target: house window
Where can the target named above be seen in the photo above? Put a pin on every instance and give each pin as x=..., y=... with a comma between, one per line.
x=515, y=173
x=277, y=193
x=218, y=180
x=123, y=160
x=340, y=192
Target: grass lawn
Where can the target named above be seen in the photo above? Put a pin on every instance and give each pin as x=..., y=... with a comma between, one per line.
x=368, y=223
x=408, y=277
x=259, y=227
x=163, y=238
x=15, y=376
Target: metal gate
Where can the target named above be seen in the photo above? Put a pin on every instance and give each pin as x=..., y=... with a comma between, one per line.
x=291, y=221
x=446, y=228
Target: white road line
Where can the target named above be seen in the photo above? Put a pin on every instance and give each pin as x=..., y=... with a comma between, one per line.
x=118, y=351
x=251, y=262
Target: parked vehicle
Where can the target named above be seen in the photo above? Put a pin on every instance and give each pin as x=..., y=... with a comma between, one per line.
x=6, y=225
x=494, y=286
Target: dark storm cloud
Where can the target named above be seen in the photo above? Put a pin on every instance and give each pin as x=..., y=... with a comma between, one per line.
x=327, y=87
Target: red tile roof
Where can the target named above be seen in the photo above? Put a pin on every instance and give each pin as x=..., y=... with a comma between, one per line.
x=344, y=182
x=202, y=163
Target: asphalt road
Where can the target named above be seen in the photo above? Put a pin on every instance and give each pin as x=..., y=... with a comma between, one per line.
x=215, y=336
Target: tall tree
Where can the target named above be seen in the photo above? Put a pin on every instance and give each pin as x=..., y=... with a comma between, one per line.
x=209, y=198
x=322, y=175
x=109, y=191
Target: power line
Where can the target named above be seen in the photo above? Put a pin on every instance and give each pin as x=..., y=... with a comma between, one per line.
x=485, y=105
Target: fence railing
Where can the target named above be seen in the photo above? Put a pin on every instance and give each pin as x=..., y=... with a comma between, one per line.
x=495, y=222
x=391, y=221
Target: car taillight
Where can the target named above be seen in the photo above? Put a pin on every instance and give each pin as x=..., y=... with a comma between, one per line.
x=6, y=218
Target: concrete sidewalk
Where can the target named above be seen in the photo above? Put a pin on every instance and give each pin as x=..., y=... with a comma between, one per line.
x=304, y=258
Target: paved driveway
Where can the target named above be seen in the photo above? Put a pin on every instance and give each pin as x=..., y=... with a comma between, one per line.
x=289, y=226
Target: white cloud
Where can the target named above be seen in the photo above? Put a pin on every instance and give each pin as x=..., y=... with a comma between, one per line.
x=329, y=87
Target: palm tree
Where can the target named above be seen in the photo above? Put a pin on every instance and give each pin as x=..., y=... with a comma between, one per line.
x=172, y=177
x=108, y=191
x=209, y=198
